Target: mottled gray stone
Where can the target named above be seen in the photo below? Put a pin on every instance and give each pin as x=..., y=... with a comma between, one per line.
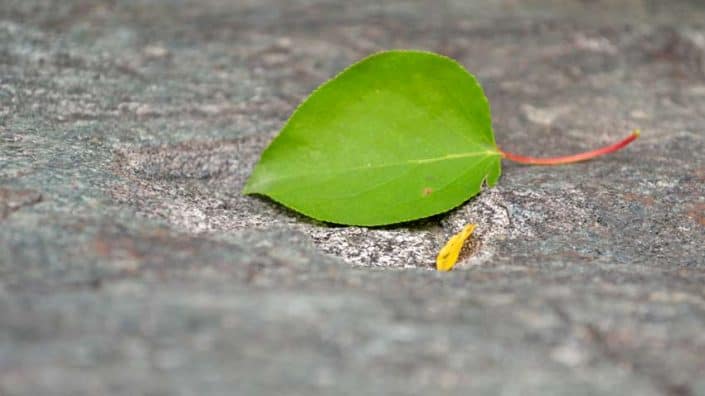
x=131, y=265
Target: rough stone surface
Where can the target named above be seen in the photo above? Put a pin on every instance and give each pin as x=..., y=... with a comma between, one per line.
x=131, y=265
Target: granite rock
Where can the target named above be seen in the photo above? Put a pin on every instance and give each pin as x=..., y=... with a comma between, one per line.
x=130, y=264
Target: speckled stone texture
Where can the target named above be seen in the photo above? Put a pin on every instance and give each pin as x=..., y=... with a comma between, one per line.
x=131, y=265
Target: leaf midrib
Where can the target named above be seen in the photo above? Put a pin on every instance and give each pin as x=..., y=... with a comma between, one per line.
x=448, y=157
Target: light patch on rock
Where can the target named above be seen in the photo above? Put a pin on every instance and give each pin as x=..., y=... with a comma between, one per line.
x=544, y=116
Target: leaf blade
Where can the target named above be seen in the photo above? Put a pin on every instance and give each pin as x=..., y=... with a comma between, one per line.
x=394, y=131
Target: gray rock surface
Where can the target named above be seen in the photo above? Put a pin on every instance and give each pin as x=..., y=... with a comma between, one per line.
x=131, y=265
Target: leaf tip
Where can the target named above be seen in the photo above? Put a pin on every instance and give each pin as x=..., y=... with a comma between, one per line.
x=248, y=189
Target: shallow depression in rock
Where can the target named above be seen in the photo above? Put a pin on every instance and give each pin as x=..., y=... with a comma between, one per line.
x=196, y=187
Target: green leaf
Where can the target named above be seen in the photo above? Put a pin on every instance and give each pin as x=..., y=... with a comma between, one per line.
x=399, y=136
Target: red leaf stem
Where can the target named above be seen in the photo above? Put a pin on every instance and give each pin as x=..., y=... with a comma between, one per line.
x=569, y=159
